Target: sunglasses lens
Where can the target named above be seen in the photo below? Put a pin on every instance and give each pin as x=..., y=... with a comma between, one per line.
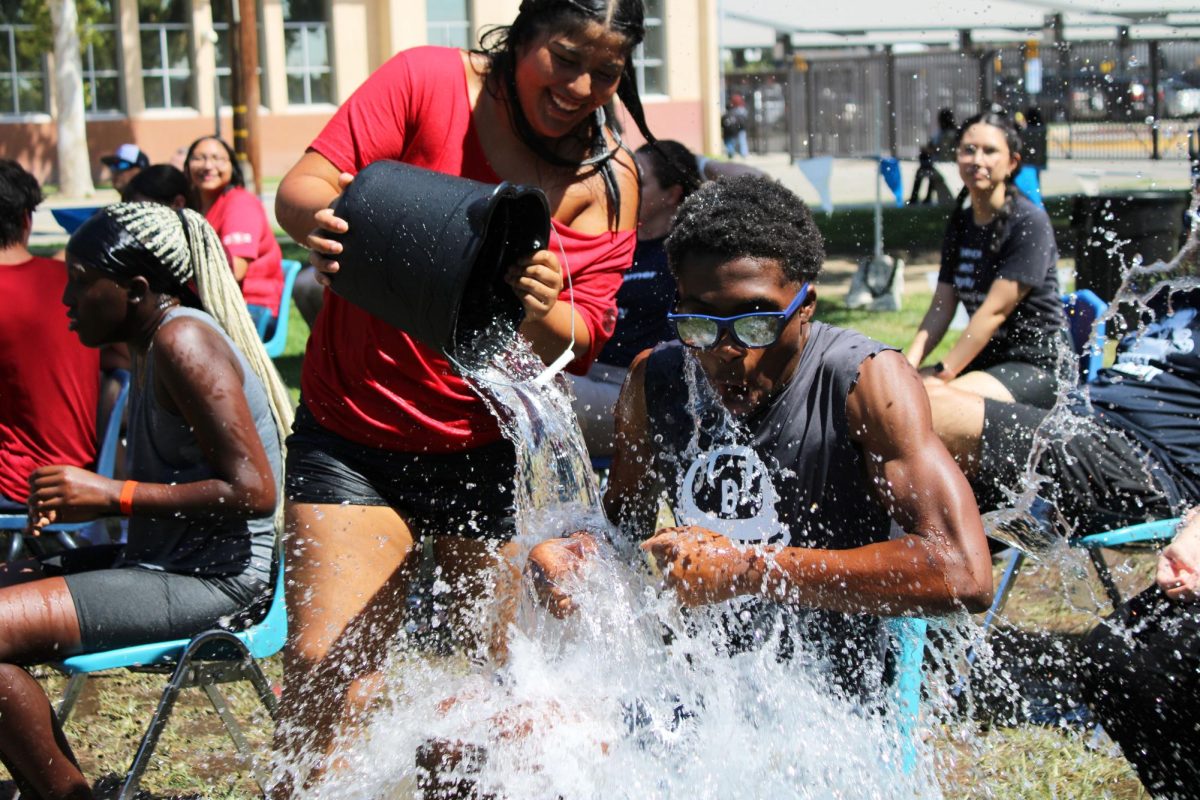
x=757, y=331
x=696, y=332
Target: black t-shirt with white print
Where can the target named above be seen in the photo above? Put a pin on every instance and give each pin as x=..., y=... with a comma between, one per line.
x=1027, y=254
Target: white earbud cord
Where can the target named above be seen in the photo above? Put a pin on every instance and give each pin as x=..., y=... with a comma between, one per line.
x=568, y=355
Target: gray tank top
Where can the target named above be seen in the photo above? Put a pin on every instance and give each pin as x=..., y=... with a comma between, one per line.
x=787, y=474
x=162, y=448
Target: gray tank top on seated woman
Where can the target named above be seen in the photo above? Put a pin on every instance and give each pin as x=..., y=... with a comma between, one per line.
x=162, y=448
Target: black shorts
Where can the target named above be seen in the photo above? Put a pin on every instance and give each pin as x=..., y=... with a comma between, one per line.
x=1099, y=478
x=1027, y=384
x=128, y=605
x=468, y=494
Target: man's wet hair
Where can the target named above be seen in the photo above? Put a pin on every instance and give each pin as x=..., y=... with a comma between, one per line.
x=20, y=194
x=747, y=216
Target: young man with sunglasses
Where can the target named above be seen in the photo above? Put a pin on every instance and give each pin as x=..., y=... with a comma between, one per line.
x=789, y=450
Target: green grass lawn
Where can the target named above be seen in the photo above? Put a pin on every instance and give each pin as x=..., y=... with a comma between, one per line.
x=991, y=761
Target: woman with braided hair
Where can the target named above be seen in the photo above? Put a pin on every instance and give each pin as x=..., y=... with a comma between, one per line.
x=999, y=258
x=206, y=420
x=390, y=444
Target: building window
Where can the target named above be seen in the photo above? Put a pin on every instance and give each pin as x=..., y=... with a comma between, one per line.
x=648, y=61
x=22, y=64
x=166, y=39
x=101, y=68
x=448, y=23
x=220, y=13
x=306, y=39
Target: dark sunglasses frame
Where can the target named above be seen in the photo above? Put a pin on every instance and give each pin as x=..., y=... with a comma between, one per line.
x=725, y=324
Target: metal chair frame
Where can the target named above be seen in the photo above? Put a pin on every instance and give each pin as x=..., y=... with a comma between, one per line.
x=205, y=661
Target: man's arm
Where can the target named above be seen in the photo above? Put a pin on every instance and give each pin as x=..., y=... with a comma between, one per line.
x=941, y=564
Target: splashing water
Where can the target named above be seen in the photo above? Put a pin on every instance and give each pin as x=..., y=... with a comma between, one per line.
x=628, y=697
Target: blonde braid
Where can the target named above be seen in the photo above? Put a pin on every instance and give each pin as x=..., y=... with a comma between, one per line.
x=190, y=249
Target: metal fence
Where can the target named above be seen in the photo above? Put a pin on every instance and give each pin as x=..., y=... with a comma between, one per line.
x=1110, y=100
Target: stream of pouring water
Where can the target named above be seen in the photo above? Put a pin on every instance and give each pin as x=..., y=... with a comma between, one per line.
x=625, y=699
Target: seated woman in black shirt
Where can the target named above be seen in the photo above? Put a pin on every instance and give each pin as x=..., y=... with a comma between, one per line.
x=669, y=173
x=999, y=258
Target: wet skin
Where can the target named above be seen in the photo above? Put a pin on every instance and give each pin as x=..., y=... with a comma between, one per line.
x=940, y=565
x=562, y=77
x=197, y=377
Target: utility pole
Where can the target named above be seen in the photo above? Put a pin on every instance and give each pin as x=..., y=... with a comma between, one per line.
x=244, y=81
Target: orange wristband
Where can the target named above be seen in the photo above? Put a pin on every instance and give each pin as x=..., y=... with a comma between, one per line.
x=127, y=497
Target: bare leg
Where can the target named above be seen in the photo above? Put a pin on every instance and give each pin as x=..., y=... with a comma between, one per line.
x=347, y=580
x=37, y=622
x=475, y=569
x=32, y=744
x=984, y=385
x=958, y=422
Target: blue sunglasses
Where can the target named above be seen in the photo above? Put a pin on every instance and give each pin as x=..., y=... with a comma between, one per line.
x=754, y=330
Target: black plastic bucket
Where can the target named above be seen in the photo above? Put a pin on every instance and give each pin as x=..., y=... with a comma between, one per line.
x=1148, y=224
x=427, y=252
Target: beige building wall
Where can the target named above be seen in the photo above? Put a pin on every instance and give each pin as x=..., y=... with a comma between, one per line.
x=362, y=35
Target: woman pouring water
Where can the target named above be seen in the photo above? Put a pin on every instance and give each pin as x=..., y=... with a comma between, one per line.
x=390, y=444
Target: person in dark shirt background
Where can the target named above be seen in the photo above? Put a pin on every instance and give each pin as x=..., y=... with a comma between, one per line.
x=669, y=173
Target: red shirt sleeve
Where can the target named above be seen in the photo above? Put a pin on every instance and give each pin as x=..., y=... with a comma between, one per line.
x=597, y=265
x=371, y=124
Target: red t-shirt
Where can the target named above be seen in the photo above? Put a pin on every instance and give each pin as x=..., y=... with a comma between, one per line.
x=368, y=381
x=242, y=224
x=49, y=382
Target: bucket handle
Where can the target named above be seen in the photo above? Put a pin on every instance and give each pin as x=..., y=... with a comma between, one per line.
x=568, y=355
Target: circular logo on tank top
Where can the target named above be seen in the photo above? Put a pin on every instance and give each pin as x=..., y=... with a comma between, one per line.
x=729, y=491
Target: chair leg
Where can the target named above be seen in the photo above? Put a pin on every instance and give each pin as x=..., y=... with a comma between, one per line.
x=1004, y=588
x=157, y=723
x=1105, y=576
x=235, y=733
x=70, y=696
x=16, y=543
x=262, y=687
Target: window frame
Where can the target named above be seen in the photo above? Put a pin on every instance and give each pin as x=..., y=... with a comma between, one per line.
x=307, y=71
x=656, y=61
x=14, y=75
x=166, y=73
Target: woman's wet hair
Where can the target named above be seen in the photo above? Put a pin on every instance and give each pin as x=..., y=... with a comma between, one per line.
x=502, y=44
x=673, y=164
x=174, y=251
x=20, y=194
x=1012, y=138
x=235, y=179
x=161, y=183
x=747, y=216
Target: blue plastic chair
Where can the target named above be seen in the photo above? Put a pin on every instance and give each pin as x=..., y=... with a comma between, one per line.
x=210, y=658
x=277, y=340
x=1143, y=534
x=908, y=644
x=71, y=218
x=1083, y=308
x=105, y=463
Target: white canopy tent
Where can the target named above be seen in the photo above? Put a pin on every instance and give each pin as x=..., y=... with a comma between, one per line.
x=755, y=23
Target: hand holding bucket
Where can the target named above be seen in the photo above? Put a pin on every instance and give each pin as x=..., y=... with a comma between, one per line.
x=428, y=252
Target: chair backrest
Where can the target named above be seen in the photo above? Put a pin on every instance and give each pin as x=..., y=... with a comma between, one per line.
x=267, y=637
x=277, y=341
x=107, y=456
x=1083, y=308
